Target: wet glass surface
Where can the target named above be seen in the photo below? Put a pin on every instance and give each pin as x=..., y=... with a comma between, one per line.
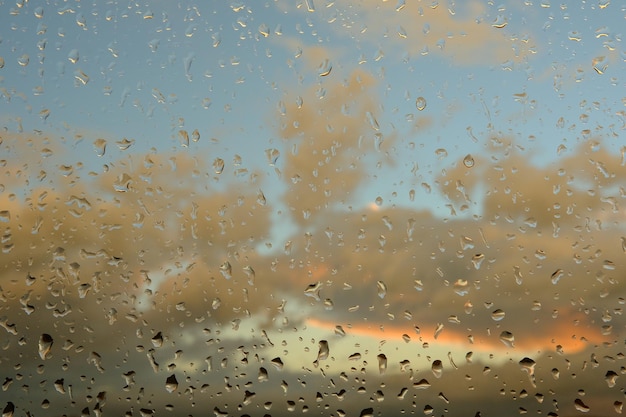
x=334, y=207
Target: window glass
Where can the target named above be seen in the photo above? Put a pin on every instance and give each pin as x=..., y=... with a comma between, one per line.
x=340, y=207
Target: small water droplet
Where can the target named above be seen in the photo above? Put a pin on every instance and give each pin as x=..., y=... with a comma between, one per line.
x=264, y=30
x=527, y=365
x=325, y=68
x=382, y=363
x=195, y=135
x=323, y=352
x=581, y=406
x=278, y=363
x=420, y=103
x=23, y=60
x=497, y=314
x=381, y=289
x=73, y=56
x=477, y=260
x=272, y=156
x=468, y=161
x=45, y=345
x=438, y=330
x=171, y=384
x=183, y=138
x=157, y=340
x=226, y=270
x=507, y=338
x=262, y=376
x=218, y=165
x=437, y=368
x=611, y=378
x=499, y=22
x=100, y=146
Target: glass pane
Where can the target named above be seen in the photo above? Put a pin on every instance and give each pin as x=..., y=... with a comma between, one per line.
x=359, y=208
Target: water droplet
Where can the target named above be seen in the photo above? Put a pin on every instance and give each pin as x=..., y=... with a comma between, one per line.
x=226, y=270
x=183, y=138
x=124, y=144
x=367, y=412
x=249, y=273
x=73, y=56
x=581, y=406
x=195, y=135
x=157, y=340
x=45, y=345
x=262, y=376
x=477, y=260
x=122, y=183
x=382, y=363
x=171, y=384
x=437, y=368
x=59, y=386
x=264, y=30
x=325, y=68
x=8, y=410
x=310, y=6
x=100, y=146
x=499, y=22
x=218, y=165
x=497, y=314
x=610, y=378
x=1, y=62
x=420, y=103
x=272, y=156
x=23, y=60
x=441, y=153
x=278, y=363
x=468, y=161
x=381, y=289
x=507, y=338
x=438, y=330
x=527, y=365
x=323, y=352
x=556, y=276
x=80, y=77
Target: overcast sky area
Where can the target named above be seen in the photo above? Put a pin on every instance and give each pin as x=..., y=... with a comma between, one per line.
x=334, y=207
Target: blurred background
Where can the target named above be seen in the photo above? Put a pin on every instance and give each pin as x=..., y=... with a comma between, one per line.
x=334, y=207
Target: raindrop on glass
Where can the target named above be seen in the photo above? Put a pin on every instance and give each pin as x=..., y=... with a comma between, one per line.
x=420, y=103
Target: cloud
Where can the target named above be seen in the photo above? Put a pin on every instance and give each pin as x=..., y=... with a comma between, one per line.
x=465, y=38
